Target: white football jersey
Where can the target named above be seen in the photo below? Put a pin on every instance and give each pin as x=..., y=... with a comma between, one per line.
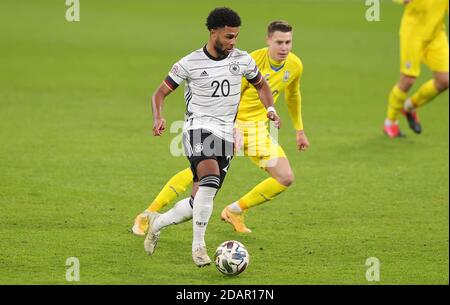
x=213, y=89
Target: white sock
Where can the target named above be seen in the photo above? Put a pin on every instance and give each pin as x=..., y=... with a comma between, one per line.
x=235, y=208
x=181, y=212
x=408, y=106
x=203, y=207
x=388, y=122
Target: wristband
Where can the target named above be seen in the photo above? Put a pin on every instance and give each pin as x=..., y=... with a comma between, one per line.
x=271, y=109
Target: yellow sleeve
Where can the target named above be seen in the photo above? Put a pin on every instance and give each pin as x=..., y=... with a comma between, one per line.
x=294, y=102
x=244, y=85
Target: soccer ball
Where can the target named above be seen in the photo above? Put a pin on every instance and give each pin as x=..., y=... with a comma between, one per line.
x=231, y=258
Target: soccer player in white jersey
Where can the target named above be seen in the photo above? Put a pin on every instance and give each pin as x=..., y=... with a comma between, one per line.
x=213, y=76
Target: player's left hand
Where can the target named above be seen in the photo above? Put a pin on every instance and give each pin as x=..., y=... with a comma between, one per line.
x=273, y=116
x=302, y=140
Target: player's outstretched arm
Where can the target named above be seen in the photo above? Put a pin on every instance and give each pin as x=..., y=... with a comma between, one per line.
x=159, y=123
x=265, y=96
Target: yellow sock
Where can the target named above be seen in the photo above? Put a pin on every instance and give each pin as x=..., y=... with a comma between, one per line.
x=176, y=185
x=263, y=192
x=425, y=94
x=396, y=100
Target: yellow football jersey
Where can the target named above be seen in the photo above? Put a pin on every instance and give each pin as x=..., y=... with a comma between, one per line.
x=281, y=77
x=425, y=17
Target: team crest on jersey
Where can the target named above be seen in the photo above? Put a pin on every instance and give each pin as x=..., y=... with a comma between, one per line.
x=234, y=68
x=408, y=65
x=286, y=76
x=198, y=147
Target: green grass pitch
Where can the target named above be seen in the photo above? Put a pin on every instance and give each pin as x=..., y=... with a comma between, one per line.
x=78, y=161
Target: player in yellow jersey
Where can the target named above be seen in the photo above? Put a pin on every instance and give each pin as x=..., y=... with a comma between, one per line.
x=423, y=39
x=282, y=70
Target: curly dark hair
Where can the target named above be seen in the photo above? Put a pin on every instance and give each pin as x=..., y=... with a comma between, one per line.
x=221, y=17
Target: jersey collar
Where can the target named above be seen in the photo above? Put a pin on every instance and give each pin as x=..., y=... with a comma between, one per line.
x=273, y=65
x=212, y=57
x=276, y=69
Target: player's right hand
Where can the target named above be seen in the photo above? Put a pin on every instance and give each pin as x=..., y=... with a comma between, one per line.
x=273, y=116
x=159, y=125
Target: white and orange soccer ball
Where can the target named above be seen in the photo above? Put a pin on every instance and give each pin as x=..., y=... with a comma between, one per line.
x=231, y=258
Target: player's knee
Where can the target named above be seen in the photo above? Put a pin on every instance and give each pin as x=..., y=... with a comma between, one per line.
x=442, y=82
x=406, y=82
x=287, y=179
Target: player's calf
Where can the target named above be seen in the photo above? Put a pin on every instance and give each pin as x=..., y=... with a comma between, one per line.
x=202, y=210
